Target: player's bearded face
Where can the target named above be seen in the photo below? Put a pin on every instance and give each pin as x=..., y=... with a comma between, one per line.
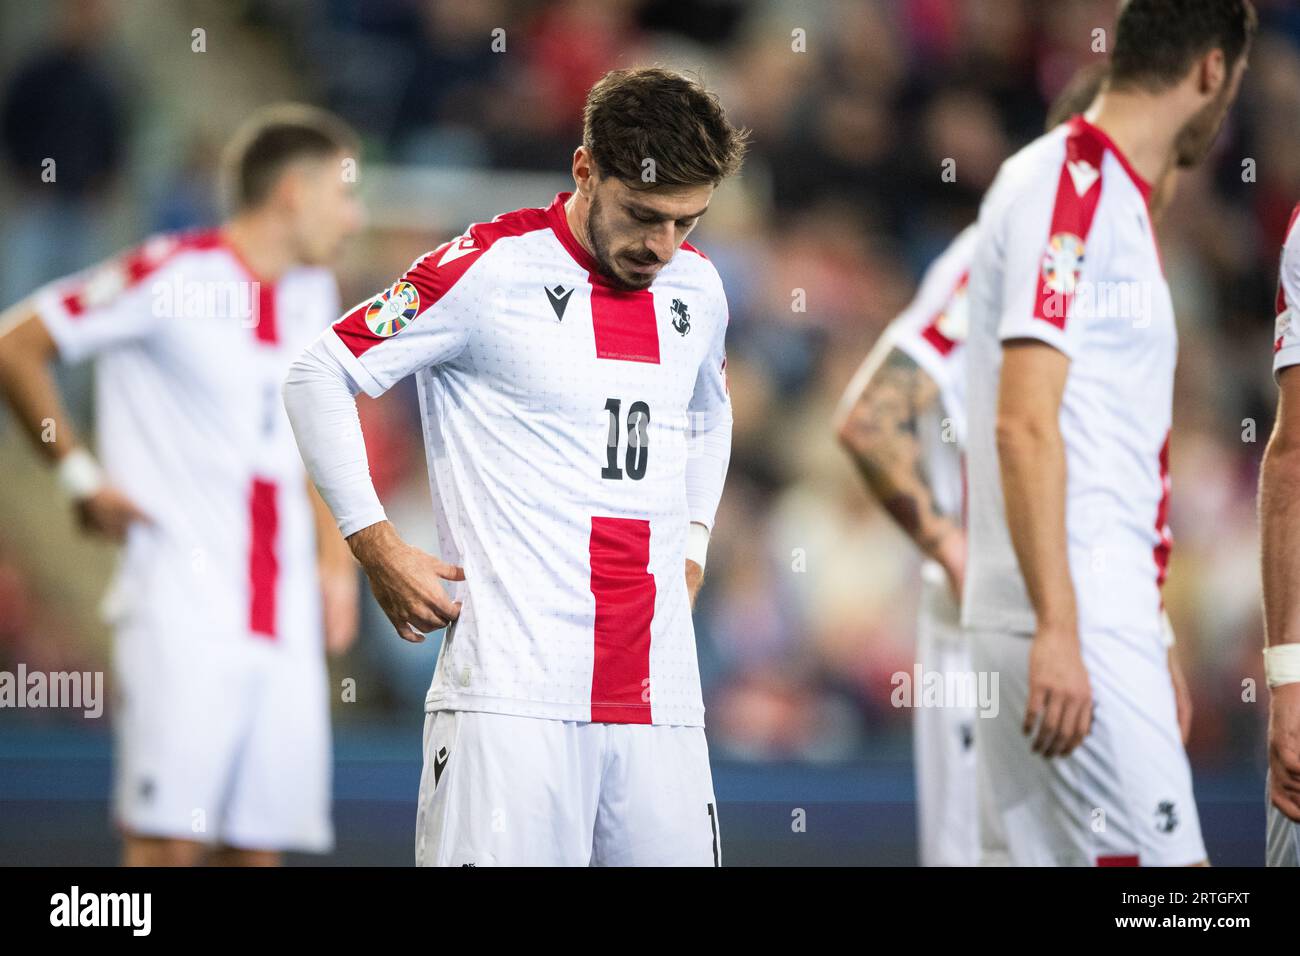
x=1196, y=138
x=634, y=233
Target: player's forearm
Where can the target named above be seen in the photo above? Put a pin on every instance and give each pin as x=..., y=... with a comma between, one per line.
x=28, y=385
x=1031, y=453
x=321, y=404
x=904, y=493
x=877, y=425
x=1279, y=517
x=888, y=459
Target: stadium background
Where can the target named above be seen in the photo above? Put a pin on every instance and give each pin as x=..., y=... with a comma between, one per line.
x=808, y=609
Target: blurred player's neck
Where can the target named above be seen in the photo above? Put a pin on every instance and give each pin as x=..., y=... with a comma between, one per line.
x=264, y=243
x=1143, y=126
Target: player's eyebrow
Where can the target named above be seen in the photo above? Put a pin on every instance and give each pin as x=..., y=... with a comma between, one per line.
x=657, y=216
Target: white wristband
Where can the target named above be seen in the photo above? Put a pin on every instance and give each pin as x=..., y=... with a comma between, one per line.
x=1282, y=664
x=697, y=543
x=79, y=475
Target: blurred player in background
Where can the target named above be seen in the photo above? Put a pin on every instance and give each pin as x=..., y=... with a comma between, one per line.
x=1280, y=543
x=572, y=378
x=1072, y=347
x=902, y=420
x=222, y=714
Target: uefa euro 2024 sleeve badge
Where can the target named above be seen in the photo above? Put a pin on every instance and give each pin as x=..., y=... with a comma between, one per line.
x=393, y=310
x=1063, y=263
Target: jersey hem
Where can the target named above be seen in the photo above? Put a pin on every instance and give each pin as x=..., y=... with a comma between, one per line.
x=1285, y=358
x=364, y=380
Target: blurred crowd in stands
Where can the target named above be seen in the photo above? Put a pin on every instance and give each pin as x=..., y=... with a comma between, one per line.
x=854, y=106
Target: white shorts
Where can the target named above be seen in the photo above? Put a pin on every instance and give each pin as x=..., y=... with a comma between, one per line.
x=1124, y=797
x=1282, y=844
x=502, y=790
x=943, y=740
x=222, y=743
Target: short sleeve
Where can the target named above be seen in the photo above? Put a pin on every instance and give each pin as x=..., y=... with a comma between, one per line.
x=1286, y=336
x=425, y=318
x=1052, y=243
x=107, y=305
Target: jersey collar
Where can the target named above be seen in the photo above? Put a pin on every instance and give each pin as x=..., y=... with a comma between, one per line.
x=1081, y=127
x=559, y=223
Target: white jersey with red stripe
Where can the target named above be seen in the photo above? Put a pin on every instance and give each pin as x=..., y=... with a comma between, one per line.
x=556, y=410
x=190, y=351
x=932, y=332
x=1286, y=339
x=1067, y=255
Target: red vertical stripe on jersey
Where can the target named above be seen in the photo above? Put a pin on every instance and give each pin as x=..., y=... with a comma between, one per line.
x=1118, y=861
x=263, y=565
x=1072, y=215
x=266, y=328
x=625, y=604
x=1166, y=543
x=624, y=324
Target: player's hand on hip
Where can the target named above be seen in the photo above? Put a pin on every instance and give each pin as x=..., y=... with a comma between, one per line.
x=108, y=512
x=1284, y=749
x=404, y=581
x=1060, y=695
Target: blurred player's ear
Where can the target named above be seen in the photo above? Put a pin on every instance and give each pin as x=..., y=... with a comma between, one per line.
x=1212, y=74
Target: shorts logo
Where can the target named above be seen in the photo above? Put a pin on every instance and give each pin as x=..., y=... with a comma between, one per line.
x=393, y=310
x=1063, y=263
x=1166, y=817
x=439, y=761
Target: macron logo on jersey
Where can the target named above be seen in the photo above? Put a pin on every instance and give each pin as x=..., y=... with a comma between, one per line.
x=460, y=247
x=1083, y=174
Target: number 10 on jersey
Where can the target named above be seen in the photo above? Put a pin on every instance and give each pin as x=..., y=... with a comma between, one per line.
x=638, y=447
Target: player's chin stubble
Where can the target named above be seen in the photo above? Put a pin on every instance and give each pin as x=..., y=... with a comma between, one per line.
x=599, y=242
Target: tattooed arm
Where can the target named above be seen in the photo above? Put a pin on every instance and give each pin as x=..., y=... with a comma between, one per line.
x=877, y=423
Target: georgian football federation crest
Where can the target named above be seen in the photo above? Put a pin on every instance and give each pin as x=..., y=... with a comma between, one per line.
x=681, y=317
x=393, y=310
x=1063, y=263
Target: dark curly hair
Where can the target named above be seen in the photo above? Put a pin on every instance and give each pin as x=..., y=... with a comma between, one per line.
x=1157, y=41
x=651, y=113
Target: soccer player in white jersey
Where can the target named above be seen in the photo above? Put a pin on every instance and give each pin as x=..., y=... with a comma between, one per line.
x=1279, y=517
x=571, y=371
x=1071, y=354
x=222, y=714
x=902, y=420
